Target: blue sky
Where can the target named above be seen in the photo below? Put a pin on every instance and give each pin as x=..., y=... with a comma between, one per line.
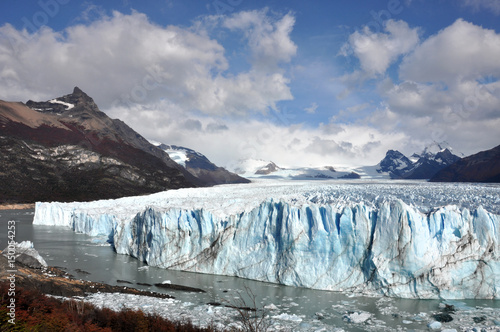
x=300, y=83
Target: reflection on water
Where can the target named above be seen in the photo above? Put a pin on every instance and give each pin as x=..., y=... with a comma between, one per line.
x=96, y=261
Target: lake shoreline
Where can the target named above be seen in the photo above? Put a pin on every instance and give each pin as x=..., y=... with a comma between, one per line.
x=55, y=281
x=26, y=206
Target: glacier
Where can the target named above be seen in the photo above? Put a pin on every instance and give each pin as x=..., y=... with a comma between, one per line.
x=399, y=239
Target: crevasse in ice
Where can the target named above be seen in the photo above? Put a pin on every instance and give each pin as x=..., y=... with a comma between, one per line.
x=288, y=236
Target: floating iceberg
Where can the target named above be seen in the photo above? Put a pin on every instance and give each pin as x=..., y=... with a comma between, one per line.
x=25, y=253
x=367, y=238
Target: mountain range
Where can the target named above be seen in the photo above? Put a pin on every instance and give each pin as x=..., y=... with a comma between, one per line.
x=257, y=168
x=66, y=149
x=420, y=166
x=480, y=167
x=434, y=163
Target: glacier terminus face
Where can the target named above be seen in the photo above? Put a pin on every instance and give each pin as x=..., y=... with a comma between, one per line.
x=401, y=239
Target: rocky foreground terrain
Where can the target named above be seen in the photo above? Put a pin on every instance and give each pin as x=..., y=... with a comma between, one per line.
x=56, y=281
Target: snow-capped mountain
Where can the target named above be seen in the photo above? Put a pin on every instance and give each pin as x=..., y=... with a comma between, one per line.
x=395, y=163
x=249, y=167
x=257, y=168
x=268, y=169
x=199, y=166
x=480, y=167
x=419, y=166
x=429, y=164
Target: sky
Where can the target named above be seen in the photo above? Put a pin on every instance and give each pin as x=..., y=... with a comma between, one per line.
x=301, y=83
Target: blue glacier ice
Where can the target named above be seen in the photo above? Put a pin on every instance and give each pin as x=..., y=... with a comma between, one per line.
x=373, y=239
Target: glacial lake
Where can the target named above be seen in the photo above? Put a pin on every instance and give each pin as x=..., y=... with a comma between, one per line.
x=289, y=308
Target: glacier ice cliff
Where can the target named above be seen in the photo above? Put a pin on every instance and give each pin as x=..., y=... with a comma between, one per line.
x=305, y=236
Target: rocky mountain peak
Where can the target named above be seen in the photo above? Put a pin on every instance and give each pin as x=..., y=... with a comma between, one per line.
x=395, y=163
x=75, y=103
x=419, y=166
x=79, y=97
x=268, y=169
x=78, y=92
x=483, y=166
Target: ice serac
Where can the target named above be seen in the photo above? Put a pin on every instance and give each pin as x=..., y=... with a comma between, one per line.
x=388, y=248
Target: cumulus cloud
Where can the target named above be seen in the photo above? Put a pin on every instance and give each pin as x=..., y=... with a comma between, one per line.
x=462, y=51
x=123, y=60
x=449, y=85
x=447, y=89
x=294, y=145
x=268, y=39
x=331, y=147
x=377, y=51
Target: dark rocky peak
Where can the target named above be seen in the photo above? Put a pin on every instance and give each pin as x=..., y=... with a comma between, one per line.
x=75, y=103
x=433, y=149
x=421, y=166
x=480, y=167
x=394, y=154
x=268, y=169
x=78, y=97
x=78, y=92
x=447, y=157
x=395, y=159
x=416, y=156
x=395, y=163
x=443, y=157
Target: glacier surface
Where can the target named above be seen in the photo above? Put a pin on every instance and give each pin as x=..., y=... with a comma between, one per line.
x=400, y=239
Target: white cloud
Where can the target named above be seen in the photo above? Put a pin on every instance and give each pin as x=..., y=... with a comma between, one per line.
x=490, y=5
x=295, y=145
x=449, y=90
x=312, y=109
x=462, y=51
x=269, y=39
x=377, y=51
x=450, y=79
x=127, y=59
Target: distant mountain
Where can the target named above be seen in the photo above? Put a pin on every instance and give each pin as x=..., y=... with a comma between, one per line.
x=256, y=168
x=480, y=167
x=429, y=164
x=199, y=166
x=396, y=164
x=268, y=169
x=66, y=149
x=423, y=166
x=250, y=167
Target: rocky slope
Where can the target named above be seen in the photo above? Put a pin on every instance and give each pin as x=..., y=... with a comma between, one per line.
x=67, y=149
x=480, y=167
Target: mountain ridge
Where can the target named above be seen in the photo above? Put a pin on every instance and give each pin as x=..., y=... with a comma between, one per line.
x=200, y=166
x=425, y=166
x=67, y=149
x=483, y=166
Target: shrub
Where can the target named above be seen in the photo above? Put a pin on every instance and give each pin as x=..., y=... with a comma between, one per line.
x=38, y=312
